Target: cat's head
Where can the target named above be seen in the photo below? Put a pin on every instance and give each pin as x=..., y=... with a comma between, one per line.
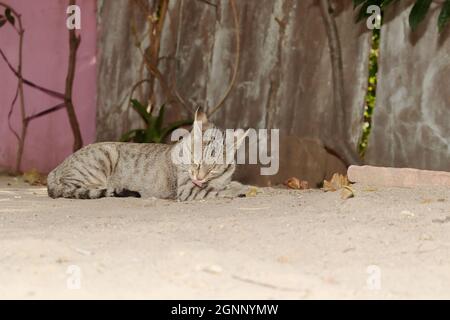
x=211, y=151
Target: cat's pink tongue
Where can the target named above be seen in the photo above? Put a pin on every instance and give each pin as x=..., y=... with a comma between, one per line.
x=197, y=183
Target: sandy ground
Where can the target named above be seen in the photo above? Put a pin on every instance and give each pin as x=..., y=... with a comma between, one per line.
x=392, y=243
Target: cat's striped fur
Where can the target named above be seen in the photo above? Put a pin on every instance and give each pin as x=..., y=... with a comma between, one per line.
x=143, y=170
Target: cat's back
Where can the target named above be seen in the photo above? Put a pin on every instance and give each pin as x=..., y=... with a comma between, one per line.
x=108, y=156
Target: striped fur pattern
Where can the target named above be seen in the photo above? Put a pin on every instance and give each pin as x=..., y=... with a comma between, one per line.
x=114, y=169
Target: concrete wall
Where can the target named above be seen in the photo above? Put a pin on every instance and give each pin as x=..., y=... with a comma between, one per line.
x=284, y=79
x=411, y=124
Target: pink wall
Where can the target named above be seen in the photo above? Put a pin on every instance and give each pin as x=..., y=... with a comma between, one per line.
x=46, y=48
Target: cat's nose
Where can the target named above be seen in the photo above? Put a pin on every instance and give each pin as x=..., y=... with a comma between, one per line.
x=200, y=176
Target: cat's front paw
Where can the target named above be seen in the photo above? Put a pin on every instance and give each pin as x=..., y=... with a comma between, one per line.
x=236, y=190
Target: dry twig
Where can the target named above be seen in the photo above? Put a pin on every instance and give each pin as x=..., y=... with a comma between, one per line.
x=342, y=149
x=74, y=43
x=236, y=62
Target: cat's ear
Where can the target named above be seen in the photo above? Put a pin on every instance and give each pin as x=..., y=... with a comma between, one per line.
x=201, y=117
x=198, y=127
x=201, y=120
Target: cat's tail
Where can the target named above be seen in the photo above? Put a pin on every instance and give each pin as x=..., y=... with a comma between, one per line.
x=52, y=184
x=58, y=189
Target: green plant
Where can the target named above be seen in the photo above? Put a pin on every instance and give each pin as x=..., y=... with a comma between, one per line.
x=371, y=92
x=153, y=132
x=416, y=16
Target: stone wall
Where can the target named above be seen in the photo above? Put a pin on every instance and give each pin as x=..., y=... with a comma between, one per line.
x=284, y=78
x=411, y=124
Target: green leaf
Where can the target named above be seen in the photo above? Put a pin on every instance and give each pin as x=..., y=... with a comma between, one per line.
x=444, y=16
x=9, y=16
x=387, y=2
x=357, y=3
x=2, y=21
x=151, y=135
x=147, y=117
x=159, y=120
x=362, y=12
x=174, y=125
x=418, y=13
x=131, y=135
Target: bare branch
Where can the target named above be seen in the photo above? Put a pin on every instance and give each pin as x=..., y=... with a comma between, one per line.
x=20, y=31
x=29, y=83
x=151, y=59
x=237, y=59
x=342, y=148
x=74, y=43
x=45, y=112
x=209, y=3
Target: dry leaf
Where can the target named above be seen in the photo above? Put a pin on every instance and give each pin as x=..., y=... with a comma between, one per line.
x=347, y=193
x=407, y=213
x=295, y=183
x=304, y=184
x=283, y=259
x=338, y=181
x=34, y=178
x=292, y=183
x=252, y=192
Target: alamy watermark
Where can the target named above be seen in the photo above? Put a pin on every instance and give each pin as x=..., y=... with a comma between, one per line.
x=374, y=20
x=73, y=281
x=74, y=19
x=228, y=148
x=373, y=281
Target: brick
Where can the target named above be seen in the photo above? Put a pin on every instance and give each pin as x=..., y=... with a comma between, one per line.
x=397, y=177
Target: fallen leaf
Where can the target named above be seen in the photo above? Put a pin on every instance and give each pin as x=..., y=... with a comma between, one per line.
x=370, y=189
x=252, y=192
x=292, y=183
x=407, y=213
x=347, y=193
x=213, y=269
x=444, y=220
x=297, y=184
x=304, y=185
x=283, y=259
x=338, y=181
x=34, y=178
x=426, y=237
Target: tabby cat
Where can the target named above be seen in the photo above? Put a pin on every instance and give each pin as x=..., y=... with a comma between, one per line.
x=114, y=169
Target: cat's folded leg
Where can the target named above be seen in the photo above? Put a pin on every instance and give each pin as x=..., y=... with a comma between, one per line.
x=233, y=190
x=82, y=192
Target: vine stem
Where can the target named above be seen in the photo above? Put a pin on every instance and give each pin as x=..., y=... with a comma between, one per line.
x=20, y=31
x=342, y=149
x=236, y=62
x=67, y=97
x=74, y=43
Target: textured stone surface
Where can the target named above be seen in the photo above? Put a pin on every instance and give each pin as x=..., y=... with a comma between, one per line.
x=398, y=177
x=284, y=79
x=119, y=68
x=411, y=124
